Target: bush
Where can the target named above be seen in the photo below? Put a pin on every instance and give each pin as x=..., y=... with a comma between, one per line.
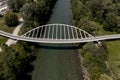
x=10, y=19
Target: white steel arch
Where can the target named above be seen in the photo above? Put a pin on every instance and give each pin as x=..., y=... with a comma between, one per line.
x=58, y=33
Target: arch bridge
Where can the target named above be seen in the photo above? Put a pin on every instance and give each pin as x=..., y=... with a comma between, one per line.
x=58, y=33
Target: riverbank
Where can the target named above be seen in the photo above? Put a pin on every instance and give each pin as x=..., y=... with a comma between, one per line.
x=58, y=63
x=94, y=58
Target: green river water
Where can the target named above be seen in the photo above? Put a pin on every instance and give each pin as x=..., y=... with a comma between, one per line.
x=53, y=63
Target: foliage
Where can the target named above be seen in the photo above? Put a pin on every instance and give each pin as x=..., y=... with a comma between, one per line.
x=28, y=11
x=95, y=73
x=15, y=62
x=94, y=60
x=87, y=25
x=110, y=22
x=10, y=18
x=104, y=12
x=15, y=5
x=105, y=77
x=36, y=13
x=117, y=29
x=87, y=14
x=27, y=25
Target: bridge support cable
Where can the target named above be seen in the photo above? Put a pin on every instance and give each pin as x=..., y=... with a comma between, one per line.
x=44, y=32
x=68, y=33
x=37, y=33
x=80, y=34
x=84, y=33
x=56, y=31
x=72, y=33
x=33, y=33
x=41, y=30
x=48, y=34
x=76, y=33
x=27, y=35
x=30, y=34
x=53, y=31
x=64, y=29
x=60, y=32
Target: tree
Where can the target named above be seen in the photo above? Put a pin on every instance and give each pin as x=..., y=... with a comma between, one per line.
x=110, y=22
x=42, y=13
x=77, y=9
x=118, y=8
x=108, y=7
x=27, y=25
x=87, y=25
x=28, y=11
x=15, y=62
x=10, y=19
x=15, y=5
x=35, y=12
x=117, y=29
x=105, y=77
x=95, y=73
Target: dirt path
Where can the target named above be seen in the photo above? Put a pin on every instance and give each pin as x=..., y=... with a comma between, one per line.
x=15, y=32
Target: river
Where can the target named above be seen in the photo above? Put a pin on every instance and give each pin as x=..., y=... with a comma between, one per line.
x=55, y=63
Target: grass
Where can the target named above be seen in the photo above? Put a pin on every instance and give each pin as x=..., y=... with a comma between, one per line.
x=113, y=50
x=101, y=31
x=114, y=56
x=18, y=14
x=4, y=28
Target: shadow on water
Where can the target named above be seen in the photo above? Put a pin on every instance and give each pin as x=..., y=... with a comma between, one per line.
x=60, y=46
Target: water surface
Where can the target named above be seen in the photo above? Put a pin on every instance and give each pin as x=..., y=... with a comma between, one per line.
x=62, y=63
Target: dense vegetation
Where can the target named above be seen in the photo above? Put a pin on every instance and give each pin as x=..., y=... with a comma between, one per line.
x=92, y=15
x=16, y=60
x=95, y=60
x=36, y=13
x=10, y=19
x=15, y=5
x=105, y=12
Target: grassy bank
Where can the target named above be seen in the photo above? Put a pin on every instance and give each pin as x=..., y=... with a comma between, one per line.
x=114, y=57
x=4, y=28
x=113, y=48
x=102, y=63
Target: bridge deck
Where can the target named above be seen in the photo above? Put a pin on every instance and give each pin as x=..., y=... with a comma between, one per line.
x=55, y=33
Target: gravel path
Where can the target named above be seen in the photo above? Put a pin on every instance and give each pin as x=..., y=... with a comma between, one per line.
x=15, y=32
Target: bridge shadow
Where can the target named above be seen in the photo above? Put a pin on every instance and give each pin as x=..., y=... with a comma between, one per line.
x=60, y=46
